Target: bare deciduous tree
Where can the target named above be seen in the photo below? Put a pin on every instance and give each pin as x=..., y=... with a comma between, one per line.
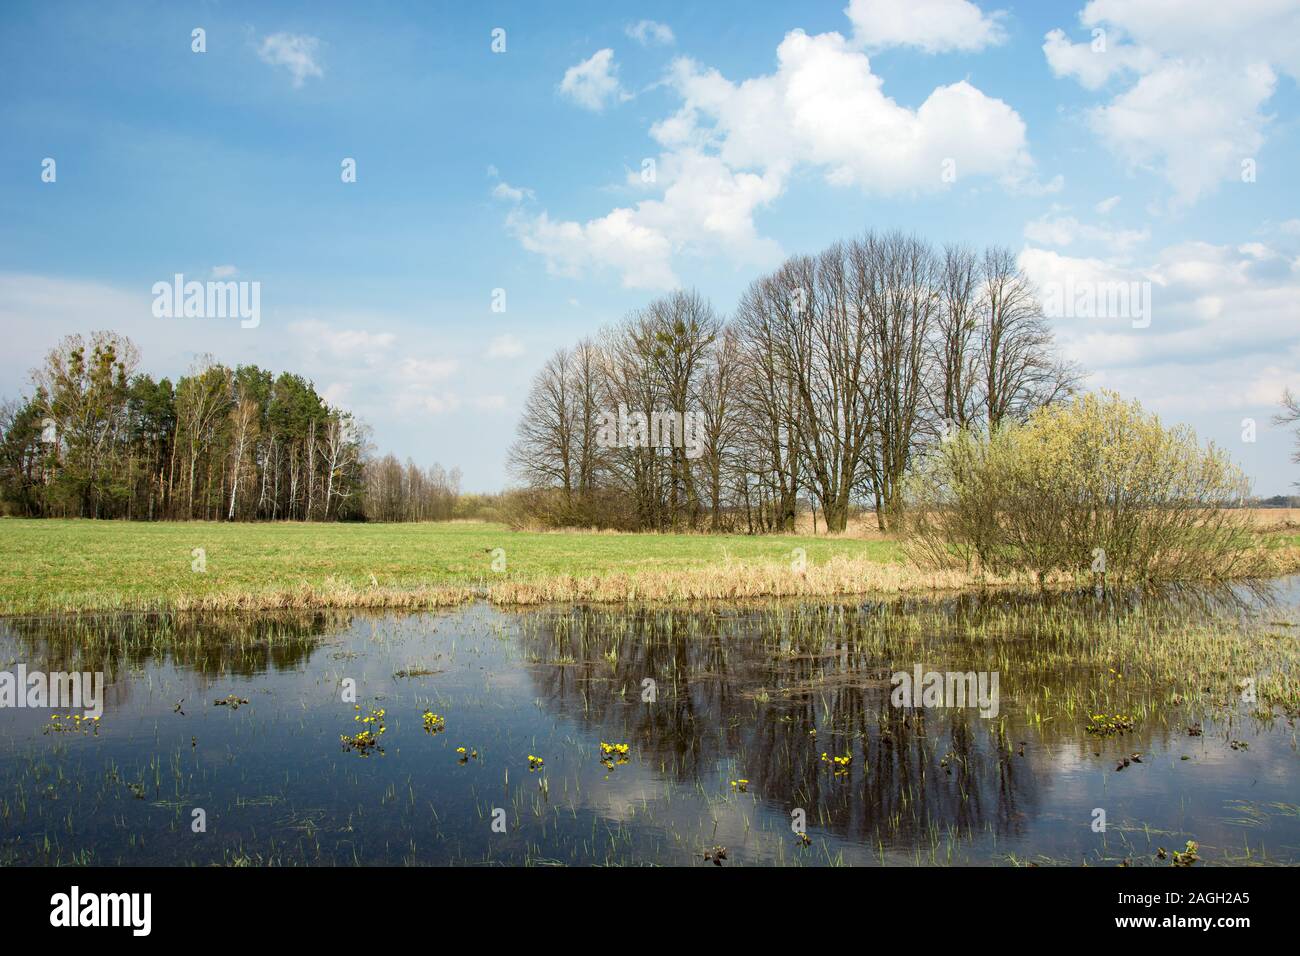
x=1019, y=370
x=1289, y=415
x=835, y=372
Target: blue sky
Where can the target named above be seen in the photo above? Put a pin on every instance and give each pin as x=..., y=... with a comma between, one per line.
x=775, y=129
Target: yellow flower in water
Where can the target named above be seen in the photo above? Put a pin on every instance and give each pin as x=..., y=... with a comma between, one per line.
x=611, y=754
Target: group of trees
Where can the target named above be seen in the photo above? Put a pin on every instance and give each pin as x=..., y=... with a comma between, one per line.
x=407, y=492
x=99, y=439
x=834, y=372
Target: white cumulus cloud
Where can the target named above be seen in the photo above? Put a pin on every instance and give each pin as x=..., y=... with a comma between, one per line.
x=298, y=53
x=1221, y=315
x=651, y=33
x=503, y=190
x=1060, y=230
x=1191, y=81
x=593, y=83
x=731, y=147
x=934, y=26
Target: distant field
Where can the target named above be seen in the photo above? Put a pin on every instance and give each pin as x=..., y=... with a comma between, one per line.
x=1276, y=519
x=49, y=565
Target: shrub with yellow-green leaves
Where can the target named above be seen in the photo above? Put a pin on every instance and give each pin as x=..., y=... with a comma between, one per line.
x=1095, y=485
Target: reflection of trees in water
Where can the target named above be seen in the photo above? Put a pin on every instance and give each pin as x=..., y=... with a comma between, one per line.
x=209, y=645
x=712, y=670
x=750, y=684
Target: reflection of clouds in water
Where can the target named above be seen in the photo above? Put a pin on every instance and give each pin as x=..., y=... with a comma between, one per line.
x=743, y=687
x=500, y=679
x=711, y=672
x=738, y=693
x=624, y=795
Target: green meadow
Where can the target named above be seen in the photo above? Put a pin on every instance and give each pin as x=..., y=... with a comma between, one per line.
x=63, y=565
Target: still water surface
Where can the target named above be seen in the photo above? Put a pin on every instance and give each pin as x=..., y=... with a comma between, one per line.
x=753, y=694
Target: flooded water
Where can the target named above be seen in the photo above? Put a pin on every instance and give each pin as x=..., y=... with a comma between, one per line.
x=1172, y=716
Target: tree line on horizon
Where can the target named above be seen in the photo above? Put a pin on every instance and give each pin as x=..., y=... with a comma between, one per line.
x=833, y=372
x=97, y=438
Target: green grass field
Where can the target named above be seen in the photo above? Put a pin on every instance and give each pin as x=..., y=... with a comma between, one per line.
x=54, y=565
